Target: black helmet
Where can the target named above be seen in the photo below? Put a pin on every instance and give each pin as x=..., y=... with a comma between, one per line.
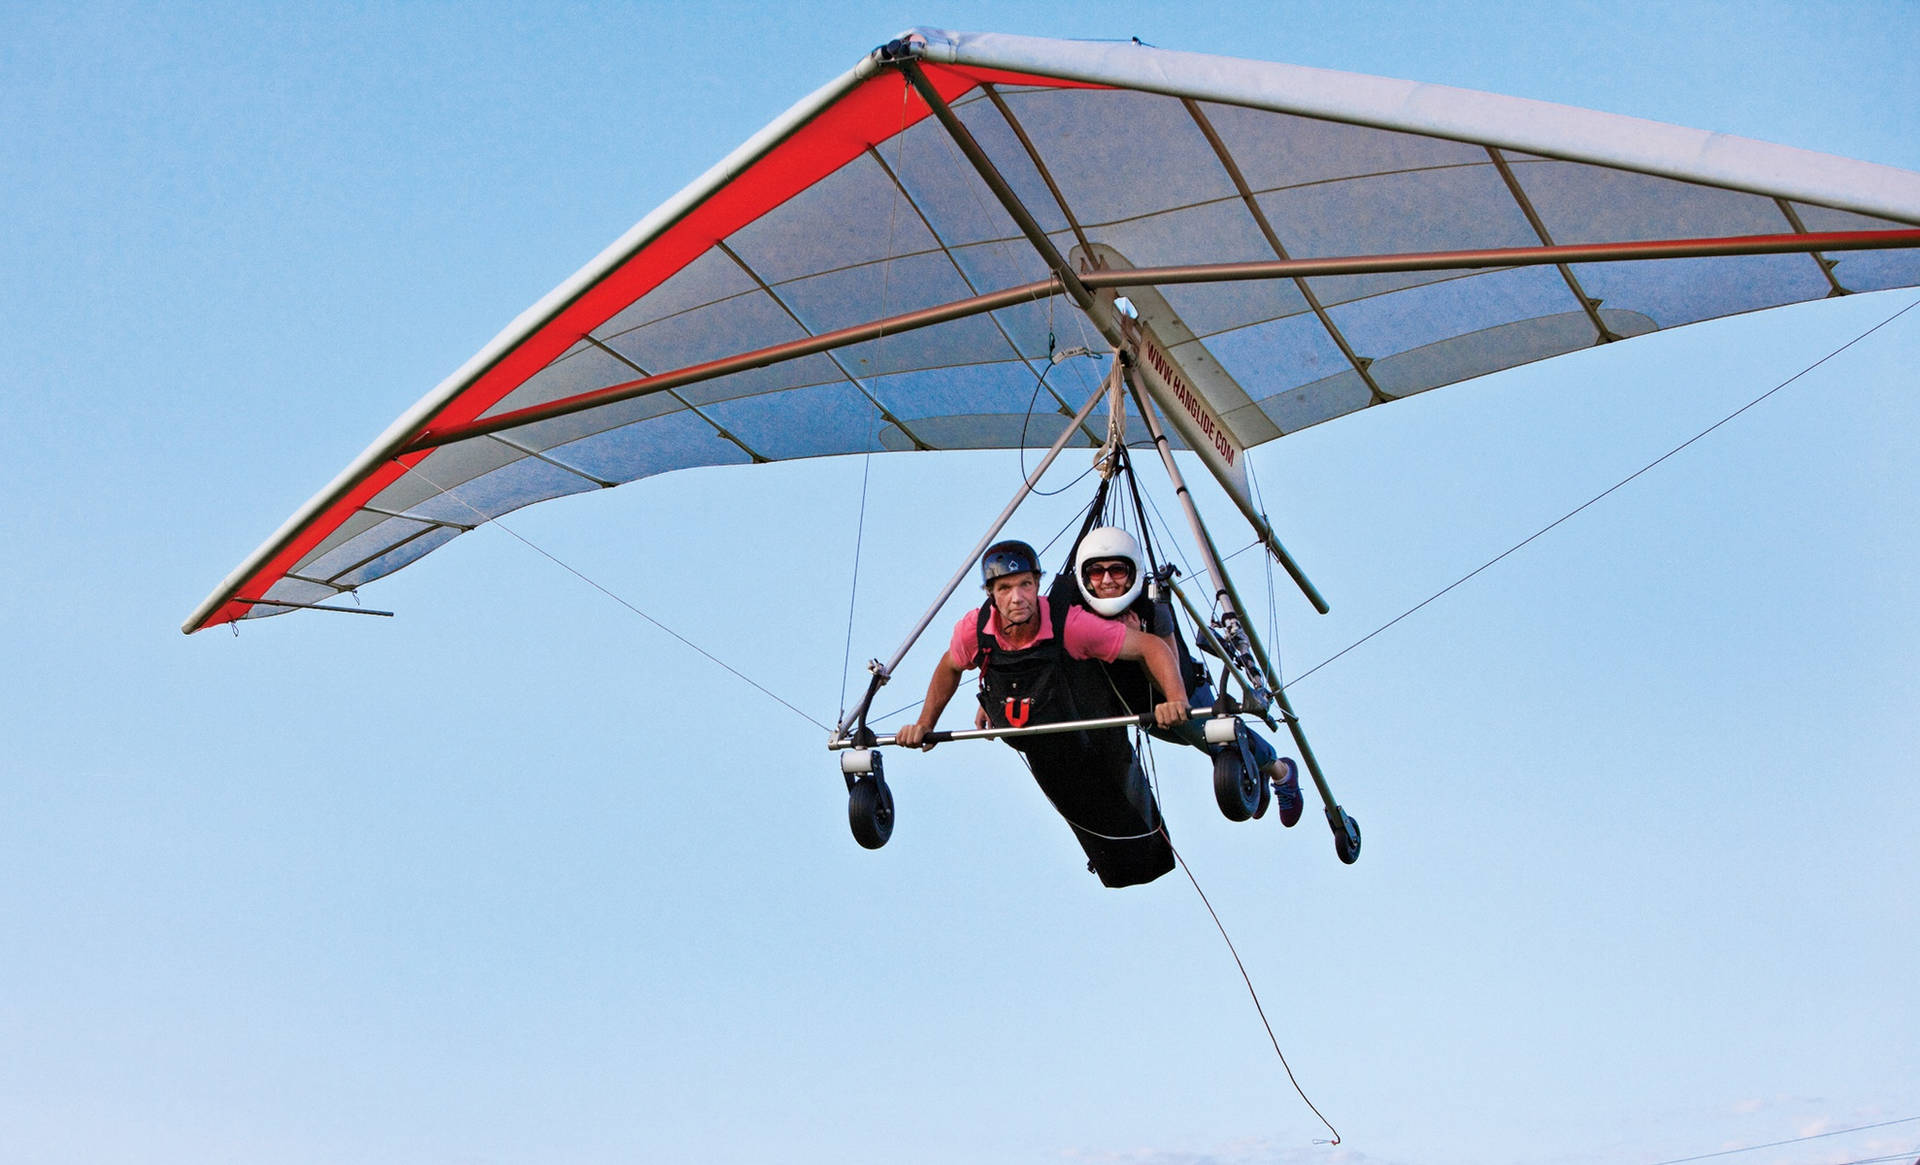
x=1010, y=557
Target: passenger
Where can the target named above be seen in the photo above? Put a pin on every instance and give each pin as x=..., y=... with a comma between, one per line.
x=1108, y=568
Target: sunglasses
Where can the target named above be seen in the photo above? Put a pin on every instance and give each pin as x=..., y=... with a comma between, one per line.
x=1094, y=570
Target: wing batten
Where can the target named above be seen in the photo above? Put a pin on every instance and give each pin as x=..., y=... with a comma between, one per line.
x=1588, y=304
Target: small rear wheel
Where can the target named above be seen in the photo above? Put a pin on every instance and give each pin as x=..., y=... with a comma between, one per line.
x=1346, y=838
x=870, y=811
x=1236, y=785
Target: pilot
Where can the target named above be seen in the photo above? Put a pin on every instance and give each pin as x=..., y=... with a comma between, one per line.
x=1025, y=678
x=1107, y=569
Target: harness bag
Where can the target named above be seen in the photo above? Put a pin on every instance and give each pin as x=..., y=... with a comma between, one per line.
x=1091, y=776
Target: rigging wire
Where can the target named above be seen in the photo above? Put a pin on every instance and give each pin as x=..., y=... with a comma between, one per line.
x=1167, y=539
x=1226, y=558
x=1605, y=492
x=873, y=433
x=1073, y=520
x=888, y=716
x=1273, y=630
x=723, y=664
x=1911, y=1155
x=853, y=589
x=1038, y=384
x=1273, y=612
x=1796, y=1140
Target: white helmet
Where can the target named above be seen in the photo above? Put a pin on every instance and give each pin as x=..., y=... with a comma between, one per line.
x=1104, y=542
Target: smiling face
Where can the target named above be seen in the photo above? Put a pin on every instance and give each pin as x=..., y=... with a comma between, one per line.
x=1108, y=578
x=1016, y=598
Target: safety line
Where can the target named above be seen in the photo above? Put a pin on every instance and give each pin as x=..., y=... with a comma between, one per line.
x=736, y=672
x=1796, y=1140
x=1603, y=493
x=1034, y=399
x=1143, y=747
x=1188, y=870
x=1153, y=769
x=1028, y=420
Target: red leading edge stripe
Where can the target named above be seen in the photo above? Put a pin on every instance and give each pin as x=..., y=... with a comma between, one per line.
x=873, y=112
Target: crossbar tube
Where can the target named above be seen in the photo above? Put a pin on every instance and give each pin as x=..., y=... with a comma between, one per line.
x=975, y=305
x=1508, y=257
x=1143, y=720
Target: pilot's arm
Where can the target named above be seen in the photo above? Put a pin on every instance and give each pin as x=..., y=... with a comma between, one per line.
x=940, y=690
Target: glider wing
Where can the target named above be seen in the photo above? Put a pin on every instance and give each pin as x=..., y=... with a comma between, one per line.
x=891, y=265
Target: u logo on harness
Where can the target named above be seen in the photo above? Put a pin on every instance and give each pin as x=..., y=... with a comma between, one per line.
x=1018, y=719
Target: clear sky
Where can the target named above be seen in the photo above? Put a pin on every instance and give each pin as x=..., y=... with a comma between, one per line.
x=514, y=877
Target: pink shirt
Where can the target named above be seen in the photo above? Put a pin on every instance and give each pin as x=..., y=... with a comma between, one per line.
x=1088, y=635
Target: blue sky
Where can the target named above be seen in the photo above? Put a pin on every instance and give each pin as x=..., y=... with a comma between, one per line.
x=514, y=877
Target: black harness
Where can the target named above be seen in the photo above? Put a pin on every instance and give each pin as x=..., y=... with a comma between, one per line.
x=1040, y=683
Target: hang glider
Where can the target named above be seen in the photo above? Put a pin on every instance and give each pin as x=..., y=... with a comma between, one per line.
x=891, y=265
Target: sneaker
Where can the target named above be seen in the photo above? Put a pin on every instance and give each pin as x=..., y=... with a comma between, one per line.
x=1286, y=790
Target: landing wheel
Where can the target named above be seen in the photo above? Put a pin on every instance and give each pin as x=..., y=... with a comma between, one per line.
x=1346, y=834
x=1237, y=786
x=870, y=811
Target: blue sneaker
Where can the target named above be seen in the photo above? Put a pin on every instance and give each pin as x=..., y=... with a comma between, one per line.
x=1286, y=790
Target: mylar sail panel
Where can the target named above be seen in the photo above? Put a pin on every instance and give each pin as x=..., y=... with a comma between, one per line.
x=738, y=323
x=1685, y=291
x=678, y=439
x=1862, y=270
x=1220, y=309
x=1292, y=370
x=1115, y=134
x=476, y=496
